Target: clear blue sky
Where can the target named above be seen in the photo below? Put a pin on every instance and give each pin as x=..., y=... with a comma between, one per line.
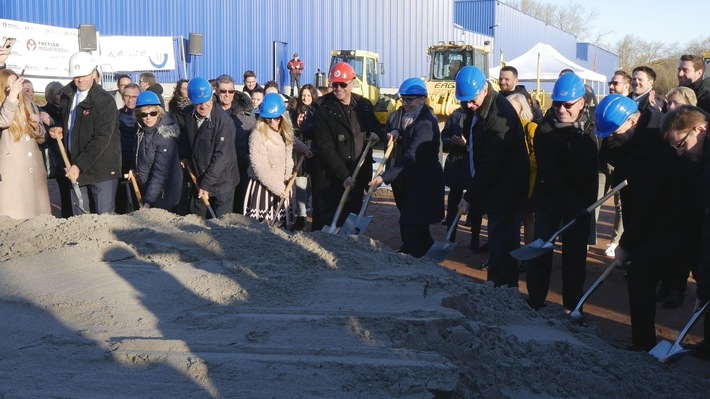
x=653, y=20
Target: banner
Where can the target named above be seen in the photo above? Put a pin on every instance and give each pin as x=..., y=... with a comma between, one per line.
x=40, y=50
x=136, y=53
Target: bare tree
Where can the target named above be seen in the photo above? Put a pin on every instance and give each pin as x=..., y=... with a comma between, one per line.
x=634, y=51
x=572, y=17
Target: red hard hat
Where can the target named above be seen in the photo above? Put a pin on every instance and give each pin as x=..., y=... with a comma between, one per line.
x=342, y=72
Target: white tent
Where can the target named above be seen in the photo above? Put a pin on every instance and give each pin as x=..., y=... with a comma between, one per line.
x=551, y=63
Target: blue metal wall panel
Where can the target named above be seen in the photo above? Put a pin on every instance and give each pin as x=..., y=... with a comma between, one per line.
x=239, y=34
x=476, y=15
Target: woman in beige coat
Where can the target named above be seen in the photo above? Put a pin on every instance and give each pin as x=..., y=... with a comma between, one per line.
x=271, y=147
x=23, y=179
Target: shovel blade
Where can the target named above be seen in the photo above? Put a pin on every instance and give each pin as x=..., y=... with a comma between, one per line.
x=661, y=351
x=532, y=250
x=328, y=230
x=354, y=225
x=440, y=250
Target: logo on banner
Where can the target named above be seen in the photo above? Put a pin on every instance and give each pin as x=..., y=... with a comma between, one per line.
x=159, y=64
x=31, y=45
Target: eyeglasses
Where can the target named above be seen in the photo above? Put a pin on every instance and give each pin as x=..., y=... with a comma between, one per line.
x=614, y=83
x=223, y=91
x=558, y=104
x=126, y=96
x=409, y=100
x=679, y=145
x=339, y=84
x=145, y=114
x=278, y=118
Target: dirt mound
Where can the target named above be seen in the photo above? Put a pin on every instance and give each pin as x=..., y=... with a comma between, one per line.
x=156, y=305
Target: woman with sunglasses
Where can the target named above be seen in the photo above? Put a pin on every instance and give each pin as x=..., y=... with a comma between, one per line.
x=157, y=162
x=23, y=178
x=271, y=147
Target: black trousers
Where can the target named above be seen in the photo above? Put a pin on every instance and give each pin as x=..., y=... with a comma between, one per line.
x=416, y=239
x=503, y=237
x=642, y=279
x=574, y=261
x=221, y=203
x=98, y=198
x=475, y=216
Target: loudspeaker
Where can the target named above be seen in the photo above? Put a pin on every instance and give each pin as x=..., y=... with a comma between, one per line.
x=195, y=44
x=87, y=38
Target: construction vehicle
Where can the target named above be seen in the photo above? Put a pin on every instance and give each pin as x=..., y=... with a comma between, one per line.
x=445, y=60
x=367, y=78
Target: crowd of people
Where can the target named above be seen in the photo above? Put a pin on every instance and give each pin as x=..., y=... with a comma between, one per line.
x=216, y=150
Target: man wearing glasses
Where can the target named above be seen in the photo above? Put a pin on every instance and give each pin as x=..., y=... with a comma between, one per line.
x=128, y=126
x=343, y=123
x=500, y=167
x=567, y=182
x=240, y=107
x=620, y=83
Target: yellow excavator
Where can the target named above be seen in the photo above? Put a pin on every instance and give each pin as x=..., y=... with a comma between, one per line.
x=445, y=60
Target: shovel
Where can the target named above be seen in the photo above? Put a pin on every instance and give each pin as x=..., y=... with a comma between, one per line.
x=357, y=224
x=333, y=226
x=440, y=250
x=666, y=352
x=291, y=181
x=576, y=314
x=539, y=247
x=205, y=200
x=132, y=178
x=74, y=184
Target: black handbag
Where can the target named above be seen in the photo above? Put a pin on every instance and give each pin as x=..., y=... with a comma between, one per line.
x=53, y=163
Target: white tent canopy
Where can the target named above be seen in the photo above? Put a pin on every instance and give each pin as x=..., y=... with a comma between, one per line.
x=551, y=63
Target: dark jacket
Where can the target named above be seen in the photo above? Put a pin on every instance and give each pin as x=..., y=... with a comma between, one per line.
x=244, y=122
x=128, y=126
x=211, y=150
x=421, y=180
x=457, y=169
x=158, y=164
x=645, y=102
x=335, y=142
x=95, y=140
x=701, y=273
x=701, y=87
x=664, y=227
x=618, y=151
x=500, y=160
x=567, y=167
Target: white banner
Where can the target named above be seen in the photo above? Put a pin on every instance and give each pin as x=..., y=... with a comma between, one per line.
x=136, y=53
x=41, y=50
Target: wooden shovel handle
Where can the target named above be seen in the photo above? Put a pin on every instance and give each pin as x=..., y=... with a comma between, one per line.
x=132, y=178
x=338, y=211
x=63, y=151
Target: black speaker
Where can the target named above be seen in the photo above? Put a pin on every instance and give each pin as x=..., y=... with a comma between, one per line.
x=195, y=44
x=87, y=38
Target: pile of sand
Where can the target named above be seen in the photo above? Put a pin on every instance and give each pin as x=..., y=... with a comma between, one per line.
x=152, y=305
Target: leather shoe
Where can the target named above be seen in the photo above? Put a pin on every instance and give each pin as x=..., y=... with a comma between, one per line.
x=482, y=249
x=674, y=300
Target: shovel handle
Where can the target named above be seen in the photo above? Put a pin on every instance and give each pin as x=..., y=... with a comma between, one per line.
x=454, y=223
x=204, y=200
x=372, y=189
x=290, y=184
x=341, y=204
x=63, y=151
x=594, y=286
x=603, y=199
x=132, y=177
x=687, y=328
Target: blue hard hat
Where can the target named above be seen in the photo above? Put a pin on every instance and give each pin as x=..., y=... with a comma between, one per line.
x=199, y=90
x=272, y=107
x=412, y=87
x=612, y=111
x=147, y=98
x=568, y=87
x=469, y=82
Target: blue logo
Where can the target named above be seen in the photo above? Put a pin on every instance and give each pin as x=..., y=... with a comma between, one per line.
x=159, y=64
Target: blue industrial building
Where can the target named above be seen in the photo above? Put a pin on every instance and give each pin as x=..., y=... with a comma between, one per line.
x=241, y=35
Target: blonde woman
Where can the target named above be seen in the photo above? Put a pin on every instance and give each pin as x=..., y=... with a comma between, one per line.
x=271, y=147
x=23, y=178
x=681, y=95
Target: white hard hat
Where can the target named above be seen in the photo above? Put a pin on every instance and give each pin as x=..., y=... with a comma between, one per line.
x=81, y=64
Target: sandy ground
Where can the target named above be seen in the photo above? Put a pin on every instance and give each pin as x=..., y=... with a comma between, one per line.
x=152, y=305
